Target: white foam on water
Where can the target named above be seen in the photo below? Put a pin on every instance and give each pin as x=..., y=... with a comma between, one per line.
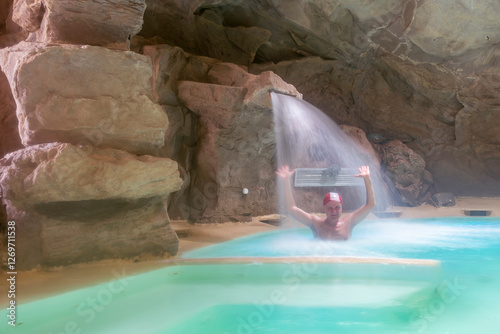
x=387, y=238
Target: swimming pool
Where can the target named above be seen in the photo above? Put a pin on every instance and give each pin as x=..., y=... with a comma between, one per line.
x=393, y=276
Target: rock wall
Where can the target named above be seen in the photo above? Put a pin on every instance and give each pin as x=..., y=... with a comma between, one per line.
x=90, y=182
x=421, y=72
x=155, y=108
x=228, y=123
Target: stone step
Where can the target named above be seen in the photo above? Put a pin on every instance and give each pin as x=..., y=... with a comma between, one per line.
x=180, y=228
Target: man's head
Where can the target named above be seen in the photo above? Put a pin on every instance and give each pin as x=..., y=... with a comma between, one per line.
x=332, y=197
x=332, y=203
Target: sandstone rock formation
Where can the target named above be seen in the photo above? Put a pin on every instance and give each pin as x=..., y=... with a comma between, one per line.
x=10, y=32
x=94, y=22
x=76, y=204
x=235, y=126
x=421, y=72
x=407, y=171
x=421, y=75
x=59, y=172
x=116, y=109
x=86, y=186
x=61, y=233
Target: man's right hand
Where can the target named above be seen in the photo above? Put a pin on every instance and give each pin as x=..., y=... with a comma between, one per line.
x=284, y=172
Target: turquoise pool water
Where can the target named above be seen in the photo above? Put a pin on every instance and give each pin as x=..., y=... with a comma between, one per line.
x=460, y=296
x=465, y=300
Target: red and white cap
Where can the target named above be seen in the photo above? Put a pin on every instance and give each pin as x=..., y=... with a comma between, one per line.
x=332, y=197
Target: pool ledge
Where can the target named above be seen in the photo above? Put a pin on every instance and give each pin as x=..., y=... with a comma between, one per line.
x=305, y=259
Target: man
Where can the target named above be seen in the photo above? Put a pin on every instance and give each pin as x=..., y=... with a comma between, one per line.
x=333, y=227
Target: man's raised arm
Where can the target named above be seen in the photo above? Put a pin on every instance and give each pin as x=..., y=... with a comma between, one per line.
x=360, y=214
x=306, y=218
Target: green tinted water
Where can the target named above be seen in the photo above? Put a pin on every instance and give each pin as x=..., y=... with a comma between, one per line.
x=239, y=319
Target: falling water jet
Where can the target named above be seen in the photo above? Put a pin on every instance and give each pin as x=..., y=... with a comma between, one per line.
x=307, y=138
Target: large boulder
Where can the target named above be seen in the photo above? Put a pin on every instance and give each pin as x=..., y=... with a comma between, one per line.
x=60, y=172
x=406, y=169
x=61, y=233
x=92, y=22
x=80, y=94
x=76, y=204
